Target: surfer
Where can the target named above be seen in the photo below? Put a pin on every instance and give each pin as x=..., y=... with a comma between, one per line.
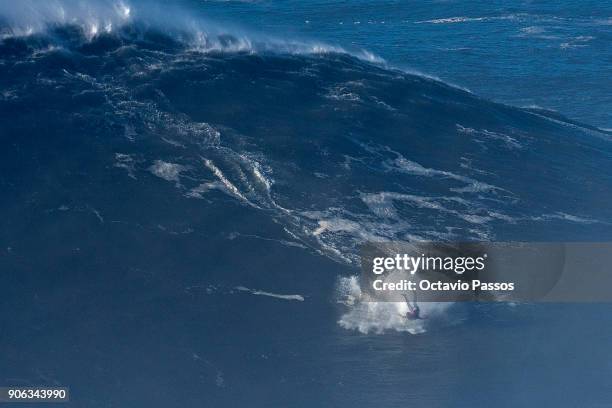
x=413, y=313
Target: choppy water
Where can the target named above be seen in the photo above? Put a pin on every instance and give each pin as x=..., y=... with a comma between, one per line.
x=186, y=200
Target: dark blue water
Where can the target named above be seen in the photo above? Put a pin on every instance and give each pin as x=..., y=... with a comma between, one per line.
x=183, y=203
x=553, y=55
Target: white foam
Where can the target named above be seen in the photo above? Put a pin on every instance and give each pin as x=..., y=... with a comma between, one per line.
x=577, y=42
x=298, y=298
x=94, y=17
x=267, y=182
x=97, y=214
x=509, y=141
x=378, y=317
x=403, y=165
x=167, y=171
x=464, y=19
x=125, y=161
x=27, y=17
x=475, y=187
x=533, y=30
x=202, y=188
x=337, y=225
x=342, y=93
x=567, y=217
x=228, y=185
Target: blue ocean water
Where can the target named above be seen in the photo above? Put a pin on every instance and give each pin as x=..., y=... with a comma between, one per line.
x=555, y=55
x=185, y=188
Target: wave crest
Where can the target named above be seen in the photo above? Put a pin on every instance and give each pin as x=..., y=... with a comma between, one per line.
x=95, y=21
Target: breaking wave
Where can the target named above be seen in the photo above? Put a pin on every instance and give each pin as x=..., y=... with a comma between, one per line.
x=108, y=20
x=319, y=150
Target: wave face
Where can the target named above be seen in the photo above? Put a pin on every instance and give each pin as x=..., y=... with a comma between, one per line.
x=149, y=161
x=330, y=149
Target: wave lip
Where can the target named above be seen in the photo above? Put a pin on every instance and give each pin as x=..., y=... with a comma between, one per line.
x=28, y=17
x=92, y=21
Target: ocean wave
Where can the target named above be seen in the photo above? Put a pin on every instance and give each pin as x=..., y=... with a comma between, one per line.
x=303, y=146
x=96, y=22
x=29, y=17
